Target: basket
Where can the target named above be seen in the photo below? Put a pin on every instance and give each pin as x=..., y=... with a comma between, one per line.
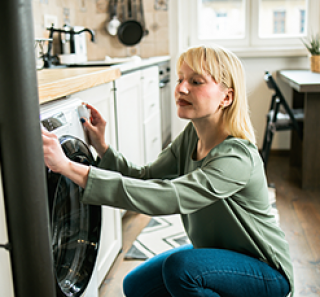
x=315, y=63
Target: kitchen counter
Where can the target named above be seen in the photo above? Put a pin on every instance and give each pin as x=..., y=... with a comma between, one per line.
x=60, y=82
x=139, y=64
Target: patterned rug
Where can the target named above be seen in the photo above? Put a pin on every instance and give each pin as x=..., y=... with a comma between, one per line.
x=167, y=232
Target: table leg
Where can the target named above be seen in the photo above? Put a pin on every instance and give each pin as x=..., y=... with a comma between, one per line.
x=296, y=143
x=311, y=142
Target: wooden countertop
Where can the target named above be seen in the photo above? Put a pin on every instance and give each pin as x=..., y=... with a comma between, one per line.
x=60, y=82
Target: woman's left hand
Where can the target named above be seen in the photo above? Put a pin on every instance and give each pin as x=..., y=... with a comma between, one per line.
x=96, y=127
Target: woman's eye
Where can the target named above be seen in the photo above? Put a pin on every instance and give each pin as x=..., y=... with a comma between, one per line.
x=197, y=82
x=179, y=81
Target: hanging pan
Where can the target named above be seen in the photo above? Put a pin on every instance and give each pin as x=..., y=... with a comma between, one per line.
x=130, y=31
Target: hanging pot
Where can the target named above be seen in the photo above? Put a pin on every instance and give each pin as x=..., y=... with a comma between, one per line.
x=130, y=31
x=113, y=25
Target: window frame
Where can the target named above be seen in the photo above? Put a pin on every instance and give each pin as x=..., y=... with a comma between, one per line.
x=252, y=44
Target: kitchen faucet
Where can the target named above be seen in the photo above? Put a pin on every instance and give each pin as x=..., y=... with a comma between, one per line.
x=48, y=58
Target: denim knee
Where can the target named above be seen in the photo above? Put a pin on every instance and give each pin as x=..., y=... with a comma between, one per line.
x=128, y=285
x=175, y=272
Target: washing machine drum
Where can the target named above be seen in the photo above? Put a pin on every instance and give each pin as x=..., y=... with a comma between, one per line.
x=75, y=226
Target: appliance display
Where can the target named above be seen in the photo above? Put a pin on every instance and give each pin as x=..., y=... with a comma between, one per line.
x=75, y=227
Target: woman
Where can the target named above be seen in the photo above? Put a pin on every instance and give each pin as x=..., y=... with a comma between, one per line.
x=211, y=174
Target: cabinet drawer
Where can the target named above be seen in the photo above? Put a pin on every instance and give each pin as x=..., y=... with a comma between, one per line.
x=152, y=132
x=150, y=80
x=151, y=104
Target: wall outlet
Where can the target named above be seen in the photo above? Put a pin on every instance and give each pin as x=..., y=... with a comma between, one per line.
x=49, y=20
x=133, y=50
x=66, y=15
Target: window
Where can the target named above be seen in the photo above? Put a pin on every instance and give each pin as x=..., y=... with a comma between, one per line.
x=221, y=19
x=279, y=22
x=285, y=16
x=302, y=20
x=253, y=24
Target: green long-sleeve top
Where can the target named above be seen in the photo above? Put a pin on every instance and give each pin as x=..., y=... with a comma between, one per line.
x=223, y=198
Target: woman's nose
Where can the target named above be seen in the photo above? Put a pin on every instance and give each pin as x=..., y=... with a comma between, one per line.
x=182, y=87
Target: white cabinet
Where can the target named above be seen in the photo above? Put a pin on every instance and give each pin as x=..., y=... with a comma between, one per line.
x=129, y=117
x=102, y=98
x=152, y=133
x=152, y=115
x=138, y=115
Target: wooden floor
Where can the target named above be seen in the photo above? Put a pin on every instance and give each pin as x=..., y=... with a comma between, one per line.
x=299, y=218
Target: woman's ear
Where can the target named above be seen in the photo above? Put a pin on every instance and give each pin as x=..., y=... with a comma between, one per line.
x=228, y=99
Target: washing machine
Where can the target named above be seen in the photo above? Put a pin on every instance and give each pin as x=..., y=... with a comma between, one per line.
x=75, y=227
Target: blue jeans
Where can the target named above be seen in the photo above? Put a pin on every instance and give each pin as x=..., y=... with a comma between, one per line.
x=186, y=271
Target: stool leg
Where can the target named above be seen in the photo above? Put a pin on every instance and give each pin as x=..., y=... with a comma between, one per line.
x=267, y=144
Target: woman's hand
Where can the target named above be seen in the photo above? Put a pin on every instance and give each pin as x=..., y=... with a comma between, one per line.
x=56, y=160
x=54, y=157
x=96, y=130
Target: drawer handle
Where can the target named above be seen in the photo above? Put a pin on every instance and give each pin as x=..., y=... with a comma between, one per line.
x=155, y=139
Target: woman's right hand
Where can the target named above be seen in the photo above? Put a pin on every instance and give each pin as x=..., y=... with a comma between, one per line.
x=96, y=126
x=54, y=157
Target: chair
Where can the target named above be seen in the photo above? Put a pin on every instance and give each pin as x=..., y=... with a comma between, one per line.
x=279, y=120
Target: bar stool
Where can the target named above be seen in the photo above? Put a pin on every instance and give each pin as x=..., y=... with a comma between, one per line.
x=283, y=119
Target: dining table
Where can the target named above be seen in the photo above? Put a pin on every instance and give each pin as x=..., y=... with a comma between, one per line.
x=306, y=93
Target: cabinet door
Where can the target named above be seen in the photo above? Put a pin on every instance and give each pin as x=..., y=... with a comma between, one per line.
x=150, y=91
x=102, y=98
x=129, y=117
x=152, y=132
x=110, y=241
x=150, y=80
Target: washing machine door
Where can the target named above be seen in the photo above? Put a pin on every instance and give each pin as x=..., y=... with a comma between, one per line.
x=75, y=226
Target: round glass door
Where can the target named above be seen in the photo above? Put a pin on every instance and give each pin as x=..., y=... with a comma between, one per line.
x=75, y=226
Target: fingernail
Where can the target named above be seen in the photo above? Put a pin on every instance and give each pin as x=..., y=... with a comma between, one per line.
x=82, y=120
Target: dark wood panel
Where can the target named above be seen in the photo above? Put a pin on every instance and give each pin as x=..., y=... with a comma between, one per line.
x=311, y=142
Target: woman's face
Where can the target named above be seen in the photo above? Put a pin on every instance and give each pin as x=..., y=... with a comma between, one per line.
x=198, y=96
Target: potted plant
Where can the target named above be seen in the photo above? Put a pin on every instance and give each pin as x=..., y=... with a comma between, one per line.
x=313, y=46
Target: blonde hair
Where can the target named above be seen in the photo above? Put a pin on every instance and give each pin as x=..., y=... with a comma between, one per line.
x=227, y=70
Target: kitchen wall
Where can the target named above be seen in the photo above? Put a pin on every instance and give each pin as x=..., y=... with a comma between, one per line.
x=259, y=96
x=94, y=15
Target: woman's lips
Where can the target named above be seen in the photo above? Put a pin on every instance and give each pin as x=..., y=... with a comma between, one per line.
x=182, y=102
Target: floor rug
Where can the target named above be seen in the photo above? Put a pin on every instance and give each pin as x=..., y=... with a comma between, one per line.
x=166, y=232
